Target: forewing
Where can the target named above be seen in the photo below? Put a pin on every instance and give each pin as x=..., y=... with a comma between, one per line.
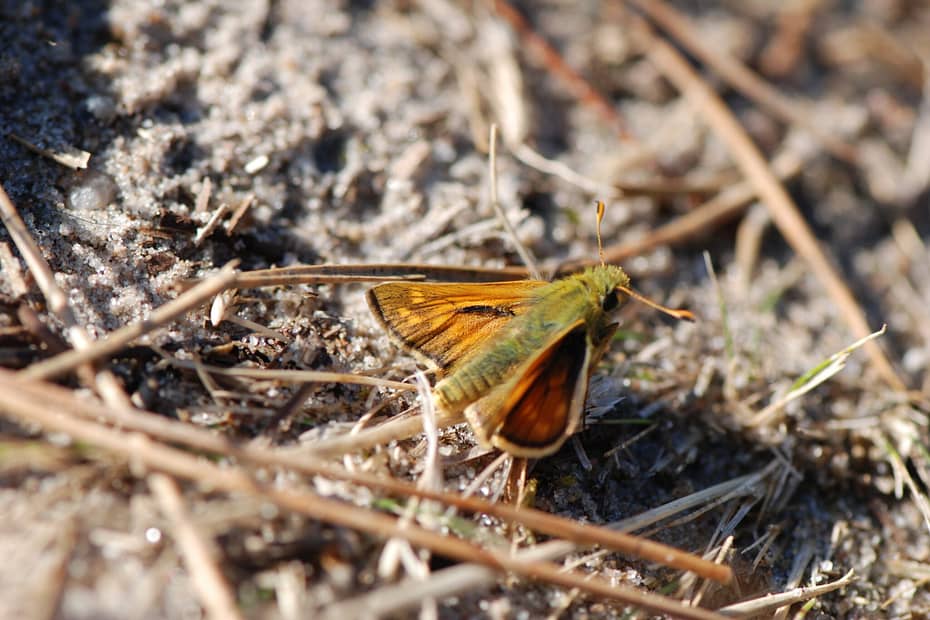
x=444, y=322
x=535, y=412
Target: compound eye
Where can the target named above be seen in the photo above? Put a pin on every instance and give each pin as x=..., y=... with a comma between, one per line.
x=611, y=301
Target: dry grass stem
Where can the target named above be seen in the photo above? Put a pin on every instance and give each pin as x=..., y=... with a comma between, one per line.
x=404, y=595
x=106, y=384
x=289, y=376
x=524, y=253
x=375, y=272
x=742, y=78
x=766, y=541
x=417, y=564
x=431, y=478
x=72, y=157
x=199, y=556
x=238, y=213
x=749, y=237
x=212, y=223
x=506, y=88
x=720, y=556
x=784, y=212
x=160, y=457
x=503, y=460
x=117, y=340
x=257, y=328
x=395, y=429
x=758, y=607
x=202, y=203
x=550, y=58
x=156, y=426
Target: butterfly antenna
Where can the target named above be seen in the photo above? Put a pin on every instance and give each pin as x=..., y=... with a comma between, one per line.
x=683, y=315
x=600, y=216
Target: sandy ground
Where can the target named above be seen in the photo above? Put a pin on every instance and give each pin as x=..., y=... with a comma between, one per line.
x=355, y=132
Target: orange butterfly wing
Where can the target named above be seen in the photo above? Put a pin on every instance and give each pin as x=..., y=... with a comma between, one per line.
x=533, y=413
x=446, y=322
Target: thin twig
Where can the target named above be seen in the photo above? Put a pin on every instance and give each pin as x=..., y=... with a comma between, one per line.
x=758, y=607
x=239, y=213
x=117, y=340
x=72, y=157
x=524, y=253
x=104, y=381
x=212, y=223
x=555, y=64
x=698, y=221
x=202, y=201
x=206, y=577
x=289, y=376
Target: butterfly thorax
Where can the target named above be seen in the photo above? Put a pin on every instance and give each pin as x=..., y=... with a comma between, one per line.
x=576, y=302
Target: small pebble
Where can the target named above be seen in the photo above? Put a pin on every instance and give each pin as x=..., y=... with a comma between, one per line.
x=94, y=192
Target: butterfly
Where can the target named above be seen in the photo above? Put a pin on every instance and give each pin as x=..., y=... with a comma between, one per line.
x=514, y=357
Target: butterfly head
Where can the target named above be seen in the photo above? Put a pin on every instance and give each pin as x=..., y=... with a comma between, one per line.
x=605, y=282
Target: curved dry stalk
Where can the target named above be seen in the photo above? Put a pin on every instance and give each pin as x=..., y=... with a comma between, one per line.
x=784, y=212
x=372, y=272
x=741, y=78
